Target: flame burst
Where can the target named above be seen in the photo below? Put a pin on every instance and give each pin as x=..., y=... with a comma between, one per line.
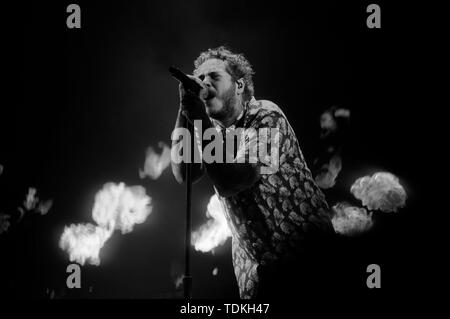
x=155, y=163
x=329, y=172
x=83, y=242
x=350, y=220
x=121, y=207
x=116, y=207
x=215, y=231
x=381, y=191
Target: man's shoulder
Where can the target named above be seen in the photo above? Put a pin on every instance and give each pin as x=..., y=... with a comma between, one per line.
x=262, y=108
x=269, y=106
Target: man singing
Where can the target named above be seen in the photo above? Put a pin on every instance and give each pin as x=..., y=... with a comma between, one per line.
x=279, y=218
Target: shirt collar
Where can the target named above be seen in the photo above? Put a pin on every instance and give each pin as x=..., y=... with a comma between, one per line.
x=221, y=127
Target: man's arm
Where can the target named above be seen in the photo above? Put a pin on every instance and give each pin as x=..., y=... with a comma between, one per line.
x=179, y=167
x=258, y=154
x=232, y=178
x=228, y=178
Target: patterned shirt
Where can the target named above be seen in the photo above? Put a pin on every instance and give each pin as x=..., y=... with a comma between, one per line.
x=269, y=220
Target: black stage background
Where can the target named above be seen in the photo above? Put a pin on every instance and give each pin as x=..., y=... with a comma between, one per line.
x=91, y=100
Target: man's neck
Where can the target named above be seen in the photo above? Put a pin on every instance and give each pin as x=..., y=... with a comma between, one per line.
x=237, y=111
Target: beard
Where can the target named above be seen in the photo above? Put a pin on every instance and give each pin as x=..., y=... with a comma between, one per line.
x=228, y=104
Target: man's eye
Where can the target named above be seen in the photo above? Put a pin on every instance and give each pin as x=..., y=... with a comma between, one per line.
x=201, y=77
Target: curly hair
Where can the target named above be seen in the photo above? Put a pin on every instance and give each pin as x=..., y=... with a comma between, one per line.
x=237, y=66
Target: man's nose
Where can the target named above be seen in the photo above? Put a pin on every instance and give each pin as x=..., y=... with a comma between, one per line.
x=207, y=81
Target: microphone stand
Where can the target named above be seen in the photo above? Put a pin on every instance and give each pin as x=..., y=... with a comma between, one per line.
x=187, y=279
x=192, y=86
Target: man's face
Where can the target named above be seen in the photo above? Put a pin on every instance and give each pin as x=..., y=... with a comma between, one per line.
x=221, y=98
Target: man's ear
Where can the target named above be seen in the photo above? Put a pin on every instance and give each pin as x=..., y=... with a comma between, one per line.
x=240, y=86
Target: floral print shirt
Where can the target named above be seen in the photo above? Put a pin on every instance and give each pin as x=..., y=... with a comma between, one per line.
x=269, y=220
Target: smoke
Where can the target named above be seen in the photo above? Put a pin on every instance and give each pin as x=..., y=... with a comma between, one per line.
x=350, y=220
x=327, y=123
x=50, y=293
x=344, y=113
x=334, y=124
x=333, y=120
x=326, y=178
x=381, y=191
x=116, y=206
x=4, y=223
x=215, y=231
x=32, y=203
x=176, y=273
x=31, y=200
x=179, y=281
x=22, y=213
x=44, y=207
x=155, y=163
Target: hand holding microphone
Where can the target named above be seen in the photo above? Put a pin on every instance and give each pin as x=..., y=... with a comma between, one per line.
x=190, y=83
x=192, y=93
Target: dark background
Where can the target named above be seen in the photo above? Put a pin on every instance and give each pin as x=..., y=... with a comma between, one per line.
x=89, y=101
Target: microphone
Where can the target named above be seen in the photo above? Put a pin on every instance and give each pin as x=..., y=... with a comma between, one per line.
x=188, y=83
